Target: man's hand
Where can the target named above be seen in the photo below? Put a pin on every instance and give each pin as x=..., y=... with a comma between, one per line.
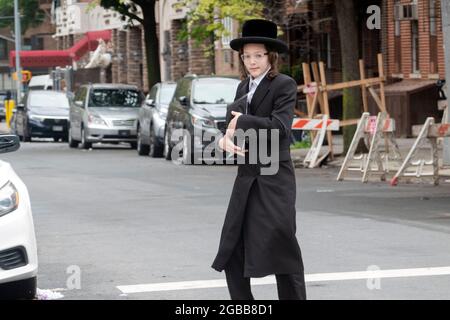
x=226, y=144
x=232, y=125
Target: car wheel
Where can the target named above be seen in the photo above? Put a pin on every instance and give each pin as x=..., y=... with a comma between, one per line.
x=142, y=149
x=26, y=136
x=167, y=149
x=84, y=143
x=72, y=143
x=188, y=156
x=156, y=148
x=21, y=289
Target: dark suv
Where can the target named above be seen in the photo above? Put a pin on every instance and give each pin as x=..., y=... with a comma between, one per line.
x=199, y=102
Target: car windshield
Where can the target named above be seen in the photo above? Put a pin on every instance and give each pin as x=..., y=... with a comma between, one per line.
x=214, y=91
x=167, y=93
x=115, y=98
x=46, y=100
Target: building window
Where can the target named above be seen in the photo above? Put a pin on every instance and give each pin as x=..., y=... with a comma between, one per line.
x=3, y=49
x=433, y=37
x=325, y=49
x=397, y=41
x=415, y=45
x=433, y=17
x=228, y=35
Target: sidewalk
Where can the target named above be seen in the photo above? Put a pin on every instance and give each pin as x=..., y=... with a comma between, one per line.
x=298, y=155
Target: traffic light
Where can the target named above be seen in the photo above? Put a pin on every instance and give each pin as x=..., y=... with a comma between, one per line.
x=26, y=76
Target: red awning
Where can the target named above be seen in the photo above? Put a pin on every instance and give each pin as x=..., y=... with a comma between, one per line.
x=60, y=58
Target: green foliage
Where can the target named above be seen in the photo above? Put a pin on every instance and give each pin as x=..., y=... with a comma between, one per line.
x=304, y=144
x=32, y=15
x=204, y=19
x=128, y=9
x=295, y=71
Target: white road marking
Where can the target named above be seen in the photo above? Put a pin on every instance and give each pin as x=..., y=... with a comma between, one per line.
x=316, y=277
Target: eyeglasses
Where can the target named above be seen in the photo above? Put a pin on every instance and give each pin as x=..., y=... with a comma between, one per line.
x=256, y=56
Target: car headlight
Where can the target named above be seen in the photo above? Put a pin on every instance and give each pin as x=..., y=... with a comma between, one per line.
x=35, y=118
x=202, y=122
x=9, y=199
x=95, y=119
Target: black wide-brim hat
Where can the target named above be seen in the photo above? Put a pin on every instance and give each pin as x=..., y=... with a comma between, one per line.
x=259, y=31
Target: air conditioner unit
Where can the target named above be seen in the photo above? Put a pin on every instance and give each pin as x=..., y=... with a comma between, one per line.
x=407, y=11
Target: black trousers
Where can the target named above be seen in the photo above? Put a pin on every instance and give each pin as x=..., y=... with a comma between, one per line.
x=290, y=286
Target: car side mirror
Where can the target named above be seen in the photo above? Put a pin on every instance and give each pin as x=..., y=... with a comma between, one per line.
x=9, y=143
x=150, y=103
x=183, y=100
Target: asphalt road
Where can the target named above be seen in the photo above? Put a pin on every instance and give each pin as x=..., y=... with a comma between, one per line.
x=107, y=218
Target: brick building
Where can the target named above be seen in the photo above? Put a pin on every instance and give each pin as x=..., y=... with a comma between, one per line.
x=36, y=38
x=410, y=37
x=181, y=57
x=415, y=40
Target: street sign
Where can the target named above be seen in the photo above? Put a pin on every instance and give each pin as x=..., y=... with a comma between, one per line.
x=26, y=76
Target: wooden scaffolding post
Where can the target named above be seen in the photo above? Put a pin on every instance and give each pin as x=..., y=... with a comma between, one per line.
x=326, y=106
x=382, y=79
x=318, y=80
x=362, y=73
x=307, y=79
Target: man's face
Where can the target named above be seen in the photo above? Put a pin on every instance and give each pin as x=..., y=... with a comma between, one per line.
x=256, y=59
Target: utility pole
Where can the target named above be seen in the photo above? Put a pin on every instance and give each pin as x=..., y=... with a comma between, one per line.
x=18, y=37
x=445, y=8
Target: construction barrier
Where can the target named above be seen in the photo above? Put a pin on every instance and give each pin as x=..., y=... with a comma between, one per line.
x=323, y=125
x=415, y=163
x=384, y=153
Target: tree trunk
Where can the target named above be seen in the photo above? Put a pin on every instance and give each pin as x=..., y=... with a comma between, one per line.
x=151, y=44
x=348, y=35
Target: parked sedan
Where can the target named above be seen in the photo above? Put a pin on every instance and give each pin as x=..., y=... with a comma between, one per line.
x=199, y=102
x=152, y=119
x=43, y=114
x=18, y=253
x=104, y=113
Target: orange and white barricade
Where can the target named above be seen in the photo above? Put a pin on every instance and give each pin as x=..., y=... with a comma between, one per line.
x=323, y=125
x=384, y=154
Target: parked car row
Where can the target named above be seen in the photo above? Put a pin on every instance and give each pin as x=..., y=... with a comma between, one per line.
x=116, y=113
x=197, y=102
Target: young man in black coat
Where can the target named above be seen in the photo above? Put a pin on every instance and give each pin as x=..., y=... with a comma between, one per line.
x=258, y=235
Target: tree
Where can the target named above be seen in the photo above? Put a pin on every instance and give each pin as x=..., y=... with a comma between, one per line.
x=129, y=11
x=204, y=19
x=32, y=15
x=348, y=34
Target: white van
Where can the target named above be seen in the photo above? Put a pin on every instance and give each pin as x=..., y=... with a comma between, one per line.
x=43, y=82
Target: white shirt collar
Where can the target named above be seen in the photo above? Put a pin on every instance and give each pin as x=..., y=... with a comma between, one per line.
x=259, y=78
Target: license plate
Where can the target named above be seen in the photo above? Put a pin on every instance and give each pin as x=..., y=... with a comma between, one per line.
x=57, y=128
x=124, y=133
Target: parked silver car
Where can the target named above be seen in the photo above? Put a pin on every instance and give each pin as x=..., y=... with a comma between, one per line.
x=152, y=119
x=104, y=113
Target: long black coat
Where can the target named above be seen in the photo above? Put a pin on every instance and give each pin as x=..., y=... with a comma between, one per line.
x=262, y=207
